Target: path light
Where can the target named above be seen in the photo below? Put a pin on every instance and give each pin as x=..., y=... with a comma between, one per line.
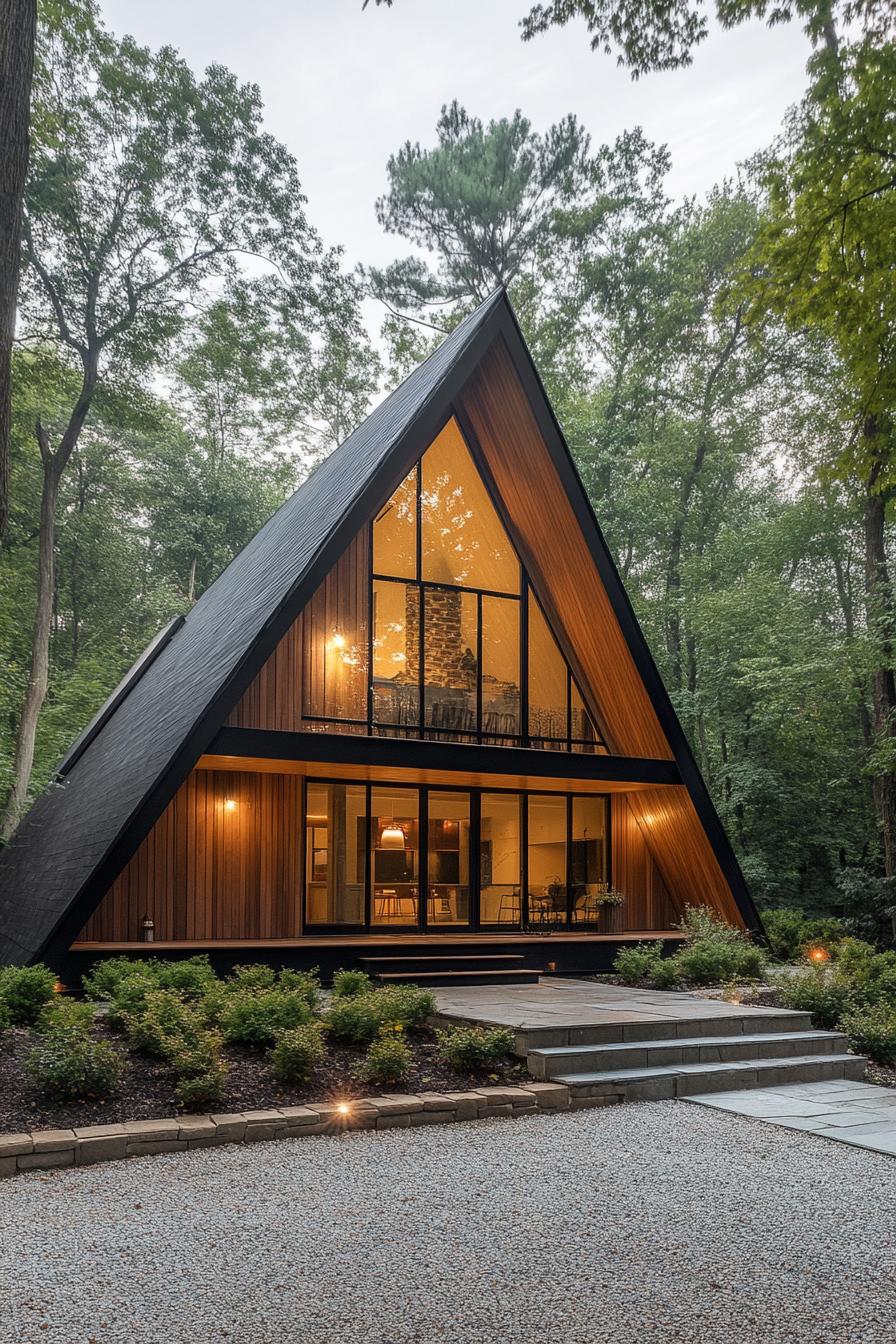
x=343, y=1108
x=818, y=954
x=58, y=987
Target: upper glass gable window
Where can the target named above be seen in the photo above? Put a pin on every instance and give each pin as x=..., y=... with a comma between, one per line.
x=462, y=541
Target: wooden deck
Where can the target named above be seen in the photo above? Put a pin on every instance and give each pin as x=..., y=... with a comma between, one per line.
x=369, y=940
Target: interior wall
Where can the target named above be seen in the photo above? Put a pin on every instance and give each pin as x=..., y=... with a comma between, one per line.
x=223, y=861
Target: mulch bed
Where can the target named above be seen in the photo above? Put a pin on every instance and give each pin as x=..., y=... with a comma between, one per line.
x=147, y=1090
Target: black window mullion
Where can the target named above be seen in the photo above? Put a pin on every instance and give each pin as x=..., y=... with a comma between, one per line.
x=478, y=667
x=524, y=860
x=524, y=662
x=423, y=859
x=569, y=860
x=368, y=857
x=475, y=857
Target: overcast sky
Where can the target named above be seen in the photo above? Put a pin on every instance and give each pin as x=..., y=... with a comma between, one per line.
x=344, y=89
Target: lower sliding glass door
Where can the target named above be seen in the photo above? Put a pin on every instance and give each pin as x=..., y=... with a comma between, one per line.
x=448, y=860
x=394, y=857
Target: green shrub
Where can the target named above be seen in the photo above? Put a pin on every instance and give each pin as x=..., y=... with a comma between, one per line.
x=5, y=1017
x=388, y=1059
x=296, y=1053
x=105, y=976
x=709, y=961
x=199, y=1092
x=634, y=965
x=129, y=999
x=468, y=1048
x=790, y=932
x=353, y=1021
x=304, y=983
x=854, y=955
x=191, y=977
x=872, y=1031
x=165, y=1023
x=815, y=991
x=666, y=974
x=252, y=977
x=408, y=1004
x=69, y=1066
x=62, y=1013
x=257, y=1018
x=201, y=1072
x=349, y=984
x=25, y=990
x=868, y=978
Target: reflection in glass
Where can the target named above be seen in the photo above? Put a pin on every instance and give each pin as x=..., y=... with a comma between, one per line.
x=448, y=859
x=395, y=532
x=450, y=638
x=463, y=539
x=500, y=859
x=394, y=858
x=500, y=669
x=546, y=884
x=585, y=737
x=548, y=683
x=396, y=653
x=588, y=858
x=335, y=842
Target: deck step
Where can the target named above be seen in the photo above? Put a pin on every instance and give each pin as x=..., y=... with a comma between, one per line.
x=680, y=1080
x=443, y=962
x=577, y=1059
x=519, y=976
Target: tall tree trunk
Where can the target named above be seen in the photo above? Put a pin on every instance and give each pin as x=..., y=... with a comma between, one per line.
x=39, y=671
x=18, y=25
x=54, y=465
x=879, y=601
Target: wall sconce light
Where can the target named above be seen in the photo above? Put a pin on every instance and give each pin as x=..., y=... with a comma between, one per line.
x=229, y=804
x=392, y=837
x=337, y=642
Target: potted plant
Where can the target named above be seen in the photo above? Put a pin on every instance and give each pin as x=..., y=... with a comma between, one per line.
x=611, y=902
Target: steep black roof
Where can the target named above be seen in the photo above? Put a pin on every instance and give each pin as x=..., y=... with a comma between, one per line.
x=123, y=777
x=127, y=765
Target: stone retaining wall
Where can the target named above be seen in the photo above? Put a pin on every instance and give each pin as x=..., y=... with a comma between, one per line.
x=47, y=1148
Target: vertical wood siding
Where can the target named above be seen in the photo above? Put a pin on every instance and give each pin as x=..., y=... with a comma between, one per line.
x=296, y=670
x=204, y=872
x=648, y=904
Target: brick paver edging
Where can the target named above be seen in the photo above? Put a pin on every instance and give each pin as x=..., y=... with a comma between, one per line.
x=46, y=1148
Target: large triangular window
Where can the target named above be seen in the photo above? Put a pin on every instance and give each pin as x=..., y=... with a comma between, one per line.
x=459, y=648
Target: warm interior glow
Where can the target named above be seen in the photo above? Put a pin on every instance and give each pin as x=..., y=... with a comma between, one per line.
x=392, y=837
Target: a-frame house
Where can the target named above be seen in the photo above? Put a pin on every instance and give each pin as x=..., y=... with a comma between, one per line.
x=417, y=709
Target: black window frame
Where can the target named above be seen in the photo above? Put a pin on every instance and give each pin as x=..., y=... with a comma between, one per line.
x=475, y=923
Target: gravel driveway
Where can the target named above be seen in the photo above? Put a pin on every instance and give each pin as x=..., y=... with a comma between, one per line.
x=658, y=1221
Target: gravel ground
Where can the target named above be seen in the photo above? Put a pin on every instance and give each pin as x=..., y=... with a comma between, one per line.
x=658, y=1221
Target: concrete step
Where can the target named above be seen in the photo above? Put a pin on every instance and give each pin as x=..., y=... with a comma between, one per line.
x=575, y=1059
x=682, y=1080
x=664, y=1029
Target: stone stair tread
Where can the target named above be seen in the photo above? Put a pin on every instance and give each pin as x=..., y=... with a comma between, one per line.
x=682, y=1042
x=674, y=1070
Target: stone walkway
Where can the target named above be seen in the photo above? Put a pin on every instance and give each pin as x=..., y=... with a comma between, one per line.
x=563, y=1005
x=859, y=1114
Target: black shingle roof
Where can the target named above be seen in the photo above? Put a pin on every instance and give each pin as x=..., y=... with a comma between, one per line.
x=170, y=713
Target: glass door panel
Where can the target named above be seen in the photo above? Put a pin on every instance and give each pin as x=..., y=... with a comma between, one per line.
x=448, y=860
x=395, y=857
x=588, y=859
x=500, y=855
x=546, y=884
x=335, y=841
